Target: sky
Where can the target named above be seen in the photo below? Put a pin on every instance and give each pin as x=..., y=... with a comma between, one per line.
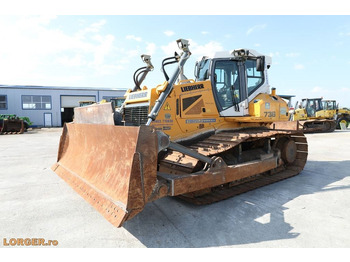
x=310, y=53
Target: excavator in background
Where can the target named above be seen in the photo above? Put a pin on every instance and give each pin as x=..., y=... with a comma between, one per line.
x=203, y=140
x=312, y=117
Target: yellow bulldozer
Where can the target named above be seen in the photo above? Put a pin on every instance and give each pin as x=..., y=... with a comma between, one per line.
x=203, y=140
x=313, y=117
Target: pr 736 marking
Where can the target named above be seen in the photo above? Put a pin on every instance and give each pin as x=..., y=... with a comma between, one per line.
x=270, y=114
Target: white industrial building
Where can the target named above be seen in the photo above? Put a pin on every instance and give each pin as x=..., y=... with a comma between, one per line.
x=49, y=106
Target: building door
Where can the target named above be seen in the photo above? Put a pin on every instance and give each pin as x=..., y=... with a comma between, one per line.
x=67, y=106
x=47, y=119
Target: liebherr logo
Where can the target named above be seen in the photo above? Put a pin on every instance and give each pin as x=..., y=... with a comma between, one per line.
x=190, y=88
x=138, y=95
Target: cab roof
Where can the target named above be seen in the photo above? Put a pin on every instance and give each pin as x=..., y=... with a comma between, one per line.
x=230, y=54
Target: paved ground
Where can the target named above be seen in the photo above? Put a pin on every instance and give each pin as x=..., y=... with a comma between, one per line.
x=309, y=210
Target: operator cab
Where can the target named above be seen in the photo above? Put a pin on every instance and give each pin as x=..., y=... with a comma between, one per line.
x=312, y=106
x=329, y=105
x=236, y=77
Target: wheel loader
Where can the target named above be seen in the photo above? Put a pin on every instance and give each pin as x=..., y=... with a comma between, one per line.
x=341, y=115
x=312, y=116
x=202, y=140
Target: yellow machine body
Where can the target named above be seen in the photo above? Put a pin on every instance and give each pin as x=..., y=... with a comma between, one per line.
x=191, y=109
x=300, y=114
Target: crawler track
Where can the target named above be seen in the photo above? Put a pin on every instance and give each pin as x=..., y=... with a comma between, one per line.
x=236, y=148
x=318, y=126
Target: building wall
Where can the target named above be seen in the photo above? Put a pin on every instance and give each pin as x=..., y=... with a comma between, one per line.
x=14, y=101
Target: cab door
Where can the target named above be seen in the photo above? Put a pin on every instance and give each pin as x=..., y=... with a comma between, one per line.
x=228, y=81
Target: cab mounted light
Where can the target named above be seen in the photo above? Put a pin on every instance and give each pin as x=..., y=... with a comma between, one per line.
x=182, y=44
x=147, y=60
x=240, y=53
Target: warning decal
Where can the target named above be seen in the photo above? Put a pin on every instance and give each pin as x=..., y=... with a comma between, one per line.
x=167, y=107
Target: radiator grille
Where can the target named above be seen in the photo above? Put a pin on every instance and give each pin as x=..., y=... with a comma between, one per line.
x=136, y=116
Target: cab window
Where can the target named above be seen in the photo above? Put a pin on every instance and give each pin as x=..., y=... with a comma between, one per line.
x=329, y=105
x=313, y=106
x=254, y=78
x=226, y=83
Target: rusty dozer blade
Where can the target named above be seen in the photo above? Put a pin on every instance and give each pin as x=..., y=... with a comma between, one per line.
x=114, y=168
x=102, y=114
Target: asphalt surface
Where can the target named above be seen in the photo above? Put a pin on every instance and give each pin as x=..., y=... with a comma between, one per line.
x=309, y=210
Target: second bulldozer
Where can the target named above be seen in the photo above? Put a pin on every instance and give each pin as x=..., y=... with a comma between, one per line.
x=313, y=117
x=202, y=140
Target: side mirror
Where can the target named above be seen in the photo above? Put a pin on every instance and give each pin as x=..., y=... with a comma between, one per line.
x=260, y=63
x=206, y=74
x=196, y=70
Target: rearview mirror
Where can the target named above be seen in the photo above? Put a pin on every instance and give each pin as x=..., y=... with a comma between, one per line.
x=196, y=70
x=260, y=63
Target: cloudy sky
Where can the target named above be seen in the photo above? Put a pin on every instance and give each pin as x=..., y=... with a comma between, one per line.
x=310, y=53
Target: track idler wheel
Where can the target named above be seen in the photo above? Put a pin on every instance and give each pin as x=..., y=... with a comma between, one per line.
x=288, y=150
